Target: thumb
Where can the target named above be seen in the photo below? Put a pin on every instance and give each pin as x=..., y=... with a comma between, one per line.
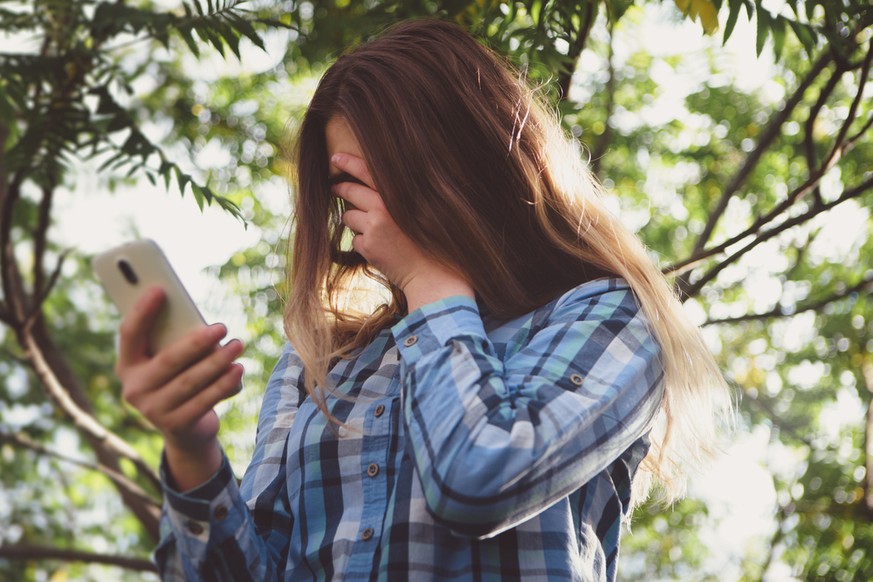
x=137, y=326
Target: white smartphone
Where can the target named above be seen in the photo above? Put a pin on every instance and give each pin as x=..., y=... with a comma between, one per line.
x=126, y=272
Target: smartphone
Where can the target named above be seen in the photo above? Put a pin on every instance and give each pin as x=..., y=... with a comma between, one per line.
x=126, y=272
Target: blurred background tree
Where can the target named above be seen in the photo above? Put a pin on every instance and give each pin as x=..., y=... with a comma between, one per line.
x=755, y=197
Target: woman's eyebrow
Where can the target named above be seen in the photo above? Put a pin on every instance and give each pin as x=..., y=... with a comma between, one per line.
x=343, y=177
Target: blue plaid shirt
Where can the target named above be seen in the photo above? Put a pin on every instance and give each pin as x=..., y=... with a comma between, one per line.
x=471, y=449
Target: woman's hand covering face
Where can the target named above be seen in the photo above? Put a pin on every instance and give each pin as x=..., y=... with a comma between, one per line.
x=378, y=238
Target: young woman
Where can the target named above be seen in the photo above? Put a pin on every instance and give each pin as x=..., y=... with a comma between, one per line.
x=487, y=421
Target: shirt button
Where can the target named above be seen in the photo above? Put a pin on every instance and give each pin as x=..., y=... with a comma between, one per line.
x=220, y=512
x=194, y=527
x=367, y=534
x=410, y=341
x=379, y=410
x=373, y=470
x=576, y=379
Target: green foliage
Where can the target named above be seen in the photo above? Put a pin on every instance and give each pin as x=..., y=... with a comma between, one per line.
x=50, y=95
x=790, y=319
x=666, y=543
x=669, y=176
x=812, y=22
x=67, y=98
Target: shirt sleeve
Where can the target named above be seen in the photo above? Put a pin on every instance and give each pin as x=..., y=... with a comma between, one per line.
x=222, y=531
x=498, y=440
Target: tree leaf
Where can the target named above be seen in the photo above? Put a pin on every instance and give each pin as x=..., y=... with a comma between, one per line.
x=734, y=7
x=197, y=191
x=778, y=31
x=762, y=28
x=805, y=35
x=708, y=15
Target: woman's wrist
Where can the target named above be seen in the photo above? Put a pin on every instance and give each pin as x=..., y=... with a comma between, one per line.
x=190, y=467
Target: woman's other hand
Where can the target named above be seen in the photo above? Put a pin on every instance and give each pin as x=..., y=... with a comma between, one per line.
x=177, y=388
x=385, y=246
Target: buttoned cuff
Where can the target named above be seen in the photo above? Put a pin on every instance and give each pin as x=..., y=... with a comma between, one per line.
x=434, y=325
x=205, y=515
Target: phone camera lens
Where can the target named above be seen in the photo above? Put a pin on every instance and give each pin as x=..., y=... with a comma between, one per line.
x=127, y=271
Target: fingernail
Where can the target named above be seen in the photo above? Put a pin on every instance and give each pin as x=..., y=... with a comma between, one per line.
x=217, y=330
x=336, y=158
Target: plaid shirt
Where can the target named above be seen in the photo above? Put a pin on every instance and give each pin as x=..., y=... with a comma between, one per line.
x=471, y=449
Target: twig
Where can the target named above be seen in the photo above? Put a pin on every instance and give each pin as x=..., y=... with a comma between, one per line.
x=118, y=478
x=861, y=131
x=575, y=51
x=606, y=136
x=853, y=109
x=797, y=264
x=800, y=254
x=777, y=536
x=4, y=134
x=867, y=373
x=84, y=421
x=39, y=237
x=36, y=308
x=692, y=289
x=778, y=311
x=9, y=193
x=809, y=126
x=32, y=552
x=763, y=404
x=770, y=133
x=685, y=265
x=838, y=149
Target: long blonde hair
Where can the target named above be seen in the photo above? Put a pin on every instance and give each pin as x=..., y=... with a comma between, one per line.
x=475, y=170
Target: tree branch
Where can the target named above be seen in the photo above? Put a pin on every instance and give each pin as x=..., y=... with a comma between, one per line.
x=82, y=419
x=9, y=194
x=685, y=265
x=31, y=552
x=4, y=135
x=5, y=315
x=770, y=133
x=565, y=77
x=606, y=136
x=49, y=365
x=861, y=131
x=809, y=126
x=853, y=109
x=779, y=311
x=43, y=293
x=763, y=404
x=867, y=373
x=840, y=146
x=39, y=239
x=119, y=479
x=777, y=537
x=692, y=289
